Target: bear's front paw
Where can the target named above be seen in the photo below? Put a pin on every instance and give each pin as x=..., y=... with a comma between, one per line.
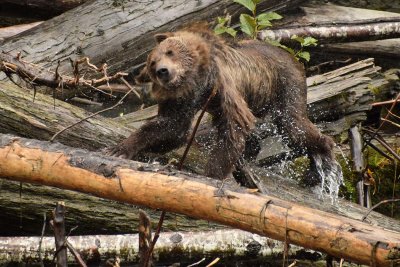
x=122, y=151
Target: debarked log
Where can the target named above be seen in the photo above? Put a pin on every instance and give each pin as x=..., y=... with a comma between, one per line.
x=170, y=246
x=200, y=197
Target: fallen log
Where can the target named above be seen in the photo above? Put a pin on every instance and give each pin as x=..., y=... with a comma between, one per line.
x=327, y=13
x=130, y=182
x=171, y=246
x=338, y=31
x=43, y=116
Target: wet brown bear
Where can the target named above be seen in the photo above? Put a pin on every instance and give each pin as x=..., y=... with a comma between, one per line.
x=252, y=79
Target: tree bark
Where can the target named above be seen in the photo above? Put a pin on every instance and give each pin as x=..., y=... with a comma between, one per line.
x=131, y=182
x=121, y=35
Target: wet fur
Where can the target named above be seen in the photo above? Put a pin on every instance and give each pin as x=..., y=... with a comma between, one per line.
x=252, y=79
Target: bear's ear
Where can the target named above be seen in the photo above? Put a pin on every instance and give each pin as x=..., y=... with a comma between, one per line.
x=162, y=36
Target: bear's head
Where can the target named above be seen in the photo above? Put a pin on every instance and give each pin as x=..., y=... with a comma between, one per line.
x=177, y=61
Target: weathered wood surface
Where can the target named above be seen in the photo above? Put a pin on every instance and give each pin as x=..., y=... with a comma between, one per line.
x=137, y=183
x=170, y=246
x=43, y=117
x=388, y=49
x=119, y=35
x=7, y=32
x=314, y=14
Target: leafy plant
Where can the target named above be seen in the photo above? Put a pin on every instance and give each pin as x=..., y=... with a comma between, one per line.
x=223, y=26
x=252, y=24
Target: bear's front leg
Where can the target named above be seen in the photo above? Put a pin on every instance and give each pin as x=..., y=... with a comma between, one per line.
x=162, y=134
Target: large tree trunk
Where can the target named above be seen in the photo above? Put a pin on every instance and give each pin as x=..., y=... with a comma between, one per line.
x=200, y=197
x=120, y=35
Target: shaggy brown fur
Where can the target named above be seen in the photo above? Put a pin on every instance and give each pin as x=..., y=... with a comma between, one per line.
x=252, y=79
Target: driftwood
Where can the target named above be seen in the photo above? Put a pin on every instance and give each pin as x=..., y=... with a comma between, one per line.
x=188, y=245
x=130, y=182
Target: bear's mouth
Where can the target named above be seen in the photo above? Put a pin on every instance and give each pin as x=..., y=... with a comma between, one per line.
x=171, y=84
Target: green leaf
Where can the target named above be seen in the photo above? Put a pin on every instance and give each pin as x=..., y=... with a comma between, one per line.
x=231, y=31
x=249, y=4
x=222, y=20
x=219, y=29
x=298, y=39
x=310, y=41
x=248, y=24
x=278, y=44
x=304, y=55
x=269, y=16
x=263, y=21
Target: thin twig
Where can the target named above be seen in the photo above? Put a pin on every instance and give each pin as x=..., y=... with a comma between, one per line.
x=130, y=87
x=197, y=263
x=341, y=262
x=392, y=123
x=76, y=254
x=378, y=137
x=387, y=115
x=293, y=264
x=384, y=103
x=156, y=236
x=377, y=205
x=90, y=116
x=41, y=240
x=377, y=149
x=213, y=92
x=213, y=262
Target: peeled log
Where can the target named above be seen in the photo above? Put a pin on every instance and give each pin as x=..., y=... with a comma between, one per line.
x=131, y=182
x=337, y=32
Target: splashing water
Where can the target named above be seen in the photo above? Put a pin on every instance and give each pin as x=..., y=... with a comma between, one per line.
x=331, y=177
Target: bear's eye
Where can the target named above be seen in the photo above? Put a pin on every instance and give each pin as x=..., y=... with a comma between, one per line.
x=169, y=53
x=152, y=63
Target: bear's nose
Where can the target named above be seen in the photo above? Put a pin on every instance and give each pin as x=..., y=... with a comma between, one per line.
x=162, y=73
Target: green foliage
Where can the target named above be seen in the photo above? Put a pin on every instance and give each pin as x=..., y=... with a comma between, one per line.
x=249, y=24
x=252, y=24
x=223, y=26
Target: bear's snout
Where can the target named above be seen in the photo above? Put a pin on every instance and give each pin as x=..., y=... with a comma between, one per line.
x=163, y=74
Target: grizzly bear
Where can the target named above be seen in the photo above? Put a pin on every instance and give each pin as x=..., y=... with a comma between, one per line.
x=251, y=79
